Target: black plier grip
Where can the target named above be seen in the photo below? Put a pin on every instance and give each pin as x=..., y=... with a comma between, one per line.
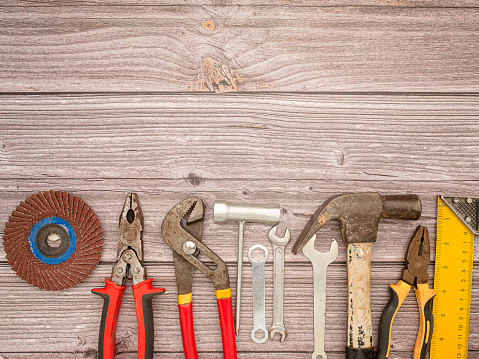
x=415, y=274
x=128, y=265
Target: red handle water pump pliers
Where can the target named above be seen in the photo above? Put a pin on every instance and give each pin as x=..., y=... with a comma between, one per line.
x=182, y=230
x=128, y=265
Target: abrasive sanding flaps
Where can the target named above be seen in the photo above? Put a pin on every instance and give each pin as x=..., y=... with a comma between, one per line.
x=53, y=240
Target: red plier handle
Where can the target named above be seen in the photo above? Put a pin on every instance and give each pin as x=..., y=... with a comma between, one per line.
x=225, y=310
x=112, y=295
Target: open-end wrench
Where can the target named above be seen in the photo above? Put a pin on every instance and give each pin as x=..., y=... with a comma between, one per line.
x=320, y=262
x=259, y=305
x=278, y=282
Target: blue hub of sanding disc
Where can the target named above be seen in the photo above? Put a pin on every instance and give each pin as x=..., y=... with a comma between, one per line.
x=44, y=236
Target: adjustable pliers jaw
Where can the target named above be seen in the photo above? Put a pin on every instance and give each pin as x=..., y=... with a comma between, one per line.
x=176, y=228
x=182, y=229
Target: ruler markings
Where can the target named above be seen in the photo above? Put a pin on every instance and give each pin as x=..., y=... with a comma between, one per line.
x=452, y=283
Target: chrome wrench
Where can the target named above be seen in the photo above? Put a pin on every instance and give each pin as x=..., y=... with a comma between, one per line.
x=259, y=306
x=278, y=282
x=320, y=262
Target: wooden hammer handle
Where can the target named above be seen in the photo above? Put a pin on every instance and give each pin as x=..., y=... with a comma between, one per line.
x=360, y=338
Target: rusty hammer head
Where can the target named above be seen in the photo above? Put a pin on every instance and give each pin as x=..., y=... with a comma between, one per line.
x=359, y=214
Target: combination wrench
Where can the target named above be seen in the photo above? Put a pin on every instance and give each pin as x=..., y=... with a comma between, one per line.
x=278, y=282
x=259, y=306
x=320, y=262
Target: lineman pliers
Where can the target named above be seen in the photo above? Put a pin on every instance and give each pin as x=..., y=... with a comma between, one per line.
x=128, y=265
x=414, y=274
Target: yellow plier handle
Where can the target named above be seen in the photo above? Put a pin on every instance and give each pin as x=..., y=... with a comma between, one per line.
x=424, y=296
x=398, y=292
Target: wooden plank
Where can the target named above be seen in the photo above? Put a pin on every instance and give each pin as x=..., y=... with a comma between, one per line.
x=210, y=5
x=241, y=136
x=73, y=325
x=239, y=48
x=91, y=354
x=299, y=199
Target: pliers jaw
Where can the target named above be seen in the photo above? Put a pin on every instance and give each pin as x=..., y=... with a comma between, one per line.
x=182, y=229
x=131, y=226
x=417, y=258
x=130, y=245
x=128, y=265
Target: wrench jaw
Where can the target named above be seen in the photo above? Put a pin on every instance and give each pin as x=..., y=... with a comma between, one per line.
x=276, y=240
x=277, y=329
x=328, y=257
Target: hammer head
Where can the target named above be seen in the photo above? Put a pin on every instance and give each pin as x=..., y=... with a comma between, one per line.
x=359, y=215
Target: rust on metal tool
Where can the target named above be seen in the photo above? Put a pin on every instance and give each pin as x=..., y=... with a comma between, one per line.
x=182, y=229
x=359, y=215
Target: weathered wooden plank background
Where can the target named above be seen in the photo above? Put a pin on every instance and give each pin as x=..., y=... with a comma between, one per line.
x=104, y=97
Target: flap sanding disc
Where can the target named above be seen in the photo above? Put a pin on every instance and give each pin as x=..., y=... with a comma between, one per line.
x=53, y=240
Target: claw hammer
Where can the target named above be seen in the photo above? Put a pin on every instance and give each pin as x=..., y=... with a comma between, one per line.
x=359, y=215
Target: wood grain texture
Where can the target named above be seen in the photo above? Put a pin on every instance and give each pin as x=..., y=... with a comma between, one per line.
x=323, y=98
x=338, y=47
x=400, y=138
x=57, y=331
x=297, y=200
x=208, y=4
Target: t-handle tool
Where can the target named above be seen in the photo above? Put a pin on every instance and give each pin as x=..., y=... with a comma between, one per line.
x=415, y=274
x=182, y=231
x=242, y=212
x=128, y=265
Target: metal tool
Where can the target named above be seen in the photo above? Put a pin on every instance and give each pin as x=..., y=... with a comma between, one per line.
x=259, y=305
x=182, y=230
x=53, y=240
x=320, y=262
x=457, y=222
x=239, y=212
x=128, y=264
x=279, y=245
x=359, y=215
x=414, y=274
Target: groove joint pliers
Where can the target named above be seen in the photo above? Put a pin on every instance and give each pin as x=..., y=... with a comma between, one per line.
x=182, y=230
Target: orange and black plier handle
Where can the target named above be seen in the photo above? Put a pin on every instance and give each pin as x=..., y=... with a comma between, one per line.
x=415, y=274
x=398, y=293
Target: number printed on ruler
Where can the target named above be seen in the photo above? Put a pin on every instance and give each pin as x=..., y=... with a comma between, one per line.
x=452, y=283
